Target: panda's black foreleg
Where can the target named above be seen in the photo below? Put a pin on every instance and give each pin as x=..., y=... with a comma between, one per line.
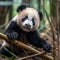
x=12, y=35
x=34, y=39
x=12, y=30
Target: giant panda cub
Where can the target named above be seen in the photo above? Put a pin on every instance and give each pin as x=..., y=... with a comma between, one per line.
x=23, y=27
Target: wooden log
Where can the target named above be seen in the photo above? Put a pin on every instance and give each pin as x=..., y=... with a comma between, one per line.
x=24, y=46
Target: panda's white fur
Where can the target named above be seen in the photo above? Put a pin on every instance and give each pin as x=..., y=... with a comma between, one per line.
x=30, y=12
x=28, y=22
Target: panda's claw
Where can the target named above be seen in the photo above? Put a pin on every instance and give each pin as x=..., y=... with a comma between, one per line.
x=12, y=35
x=47, y=47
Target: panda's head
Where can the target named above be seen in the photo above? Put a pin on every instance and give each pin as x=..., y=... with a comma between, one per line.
x=28, y=18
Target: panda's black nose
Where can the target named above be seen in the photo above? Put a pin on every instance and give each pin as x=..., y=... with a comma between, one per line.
x=27, y=25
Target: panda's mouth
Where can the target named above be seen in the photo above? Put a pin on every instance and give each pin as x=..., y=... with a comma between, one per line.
x=27, y=27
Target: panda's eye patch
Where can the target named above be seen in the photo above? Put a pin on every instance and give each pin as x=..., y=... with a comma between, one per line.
x=33, y=21
x=23, y=19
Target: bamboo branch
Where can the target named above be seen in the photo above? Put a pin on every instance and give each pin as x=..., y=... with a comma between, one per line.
x=30, y=56
x=24, y=46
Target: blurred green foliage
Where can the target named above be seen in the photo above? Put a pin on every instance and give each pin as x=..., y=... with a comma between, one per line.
x=15, y=5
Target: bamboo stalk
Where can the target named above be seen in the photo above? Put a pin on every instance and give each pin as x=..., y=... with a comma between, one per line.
x=24, y=46
x=30, y=56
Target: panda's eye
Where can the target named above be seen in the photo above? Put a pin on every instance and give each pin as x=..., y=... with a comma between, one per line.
x=23, y=19
x=33, y=21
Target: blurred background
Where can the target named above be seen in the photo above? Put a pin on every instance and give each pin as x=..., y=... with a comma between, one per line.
x=49, y=26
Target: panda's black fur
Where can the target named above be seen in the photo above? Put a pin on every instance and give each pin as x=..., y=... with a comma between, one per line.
x=20, y=8
x=13, y=31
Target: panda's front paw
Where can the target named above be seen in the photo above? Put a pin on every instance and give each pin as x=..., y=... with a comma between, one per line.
x=12, y=35
x=47, y=47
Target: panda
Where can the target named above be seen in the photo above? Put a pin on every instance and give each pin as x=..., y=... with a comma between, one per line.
x=24, y=27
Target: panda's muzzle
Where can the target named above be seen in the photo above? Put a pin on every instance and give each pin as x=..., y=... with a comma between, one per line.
x=27, y=26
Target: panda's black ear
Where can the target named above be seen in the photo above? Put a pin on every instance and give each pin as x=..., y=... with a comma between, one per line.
x=40, y=15
x=21, y=7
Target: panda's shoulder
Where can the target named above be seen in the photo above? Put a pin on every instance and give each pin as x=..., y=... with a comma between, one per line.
x=11, y=24
x=13, y=21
